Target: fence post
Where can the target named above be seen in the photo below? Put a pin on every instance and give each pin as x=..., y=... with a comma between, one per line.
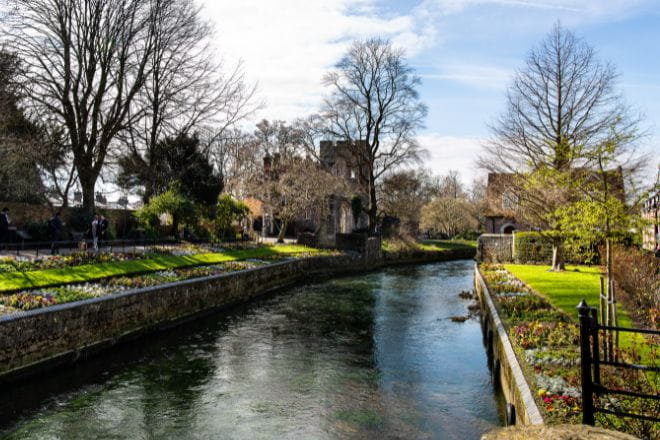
x=595, y=350
x=585, y=363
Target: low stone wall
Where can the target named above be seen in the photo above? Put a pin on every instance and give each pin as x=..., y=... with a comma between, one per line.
x=497, y=248
x=506, y=368
x=33, y=341
x=62, y=333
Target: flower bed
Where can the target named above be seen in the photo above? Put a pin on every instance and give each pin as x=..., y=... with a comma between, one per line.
x=26, y=264
x=546, y=341
x=38, y=298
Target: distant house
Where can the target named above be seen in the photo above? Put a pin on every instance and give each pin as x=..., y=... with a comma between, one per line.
x=651, y=232
x=502, y=203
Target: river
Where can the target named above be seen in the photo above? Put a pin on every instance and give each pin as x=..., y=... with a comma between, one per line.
x=369, y=356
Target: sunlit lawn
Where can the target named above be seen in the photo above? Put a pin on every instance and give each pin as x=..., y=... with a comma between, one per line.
x=566, y=289
x=90, y=272
x=443, y=245
x=428, y=245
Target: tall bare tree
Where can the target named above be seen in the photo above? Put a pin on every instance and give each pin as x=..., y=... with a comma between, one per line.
x=85, y=63
x=186, y=89
x=375, y=106
x=561, y=105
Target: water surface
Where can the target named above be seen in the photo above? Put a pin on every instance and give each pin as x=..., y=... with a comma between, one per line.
x=371, y=356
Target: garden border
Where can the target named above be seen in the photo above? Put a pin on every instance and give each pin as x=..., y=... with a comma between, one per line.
x=506, y=368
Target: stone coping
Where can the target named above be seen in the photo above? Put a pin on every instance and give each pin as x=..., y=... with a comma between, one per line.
x=556, y=432
x=531, y=409
x=133, y=292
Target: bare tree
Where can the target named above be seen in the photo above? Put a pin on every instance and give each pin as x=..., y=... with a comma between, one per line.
x=562, y=104
x=375, y=106
x=238, y=157
x=300, y=189
x=55, y=161
x=449, y=216
x=450, y=185
x=85, y=63
x=402, y=194
x=186, y=89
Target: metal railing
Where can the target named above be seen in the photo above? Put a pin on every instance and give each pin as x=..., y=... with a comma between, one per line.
x=591, y=361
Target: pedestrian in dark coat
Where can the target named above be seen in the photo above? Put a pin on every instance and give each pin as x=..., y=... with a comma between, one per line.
x=103, y=230
x=4, y=226
x=55, y=229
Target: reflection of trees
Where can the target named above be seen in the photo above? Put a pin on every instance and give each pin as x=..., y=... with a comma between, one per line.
x=173, y=387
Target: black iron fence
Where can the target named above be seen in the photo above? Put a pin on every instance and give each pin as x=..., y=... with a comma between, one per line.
x=591, y=362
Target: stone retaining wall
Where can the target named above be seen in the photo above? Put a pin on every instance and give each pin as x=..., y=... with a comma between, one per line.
x=506, y=368
x=33, y=341
x=496, y=248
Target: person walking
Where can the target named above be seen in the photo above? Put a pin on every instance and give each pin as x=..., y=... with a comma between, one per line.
x=4, y=227
x=55, y=228
x=103, y=230
x=96, y=231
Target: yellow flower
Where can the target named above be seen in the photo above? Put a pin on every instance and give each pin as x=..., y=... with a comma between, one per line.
x=542, y=392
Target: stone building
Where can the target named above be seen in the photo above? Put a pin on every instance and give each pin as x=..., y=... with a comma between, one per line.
x=338, y=157
x=501, y=205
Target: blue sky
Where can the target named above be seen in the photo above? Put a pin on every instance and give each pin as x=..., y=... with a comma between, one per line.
x=464, y=50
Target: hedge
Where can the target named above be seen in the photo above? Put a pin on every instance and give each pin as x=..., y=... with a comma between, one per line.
x=534, y=247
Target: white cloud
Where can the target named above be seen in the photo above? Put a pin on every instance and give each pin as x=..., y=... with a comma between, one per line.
x=588, y=9
x=288, y=45
x=452, y=153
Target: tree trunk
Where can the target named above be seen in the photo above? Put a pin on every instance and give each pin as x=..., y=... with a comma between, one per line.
x=373, y=208
x=87, y=185
x=557, y=258
x=280, y=235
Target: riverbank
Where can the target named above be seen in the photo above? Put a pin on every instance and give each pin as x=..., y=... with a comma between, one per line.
x=38, y=340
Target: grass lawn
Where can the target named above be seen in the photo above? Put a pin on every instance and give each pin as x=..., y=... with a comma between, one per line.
x=566, y=289
x=397, y=245
x=90, y=272
x=443, y=245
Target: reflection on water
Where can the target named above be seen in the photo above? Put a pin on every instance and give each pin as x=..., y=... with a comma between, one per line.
x=372, y=356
